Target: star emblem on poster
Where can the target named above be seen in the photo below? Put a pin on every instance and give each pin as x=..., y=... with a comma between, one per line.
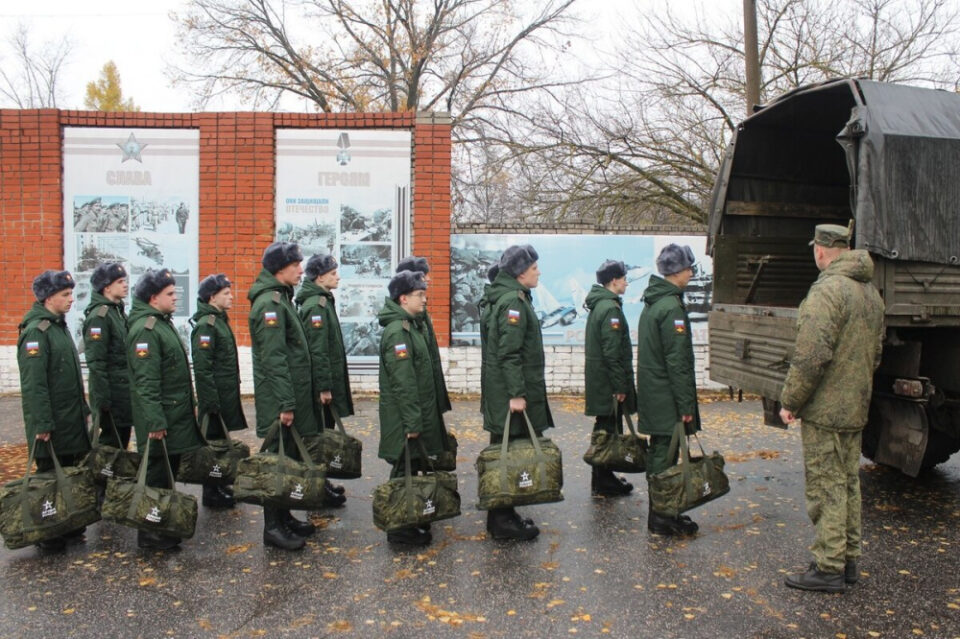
x=131, y=149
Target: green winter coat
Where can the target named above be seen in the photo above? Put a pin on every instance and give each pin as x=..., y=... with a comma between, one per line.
x=216, y=370
x=105, y=349
x=426, y=324
x=160, y=386
x=666, y=374
x=408, y=389
x=609, y=354
x=282, y=375
x=51, y=385
x=318, y=315
x=513, y=360
x=839, y=340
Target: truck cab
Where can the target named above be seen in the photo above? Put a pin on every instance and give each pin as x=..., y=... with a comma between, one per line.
x=887, y=157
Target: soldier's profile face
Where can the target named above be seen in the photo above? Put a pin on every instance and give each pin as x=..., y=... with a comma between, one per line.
x=619, y=285
x=414, y=302
x=223, y=299
x=290, y=274
x=530, y=277
x=60, y=302
x=117, y=290
x=166, y=300
x=330, y=279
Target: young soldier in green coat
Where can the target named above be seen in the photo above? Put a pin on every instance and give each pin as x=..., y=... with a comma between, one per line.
x=105, y=349
x=282, y=374
x=216, y=371
x=839, y=341
x=408, y=389
x=331, y=380
x=666, y=376
x=512, y=374
x=51, y=385
x=160, y=385
x=608, y=371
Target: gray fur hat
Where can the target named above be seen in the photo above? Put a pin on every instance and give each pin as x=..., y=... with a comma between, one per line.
x=280, y=254
x=517, y=259
x=151, y=283
x=317, y=265
x=413, y=263
x=609, y=271
x=674, y=258
x=50, y=282
x=404, y=283
x=492, y=272
x=211, y=285
x=106, y=274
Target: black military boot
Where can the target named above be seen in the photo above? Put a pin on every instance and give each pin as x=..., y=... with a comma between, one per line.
x=276, y=534
x=213, y=497
x=331, y=498
x=149, y=540
x=850, y=573
x=668, y=525
x=410, y=536
x=505, y=523
x=604, y=483
x=299, y=528
x=57, y=544
x=816, y=580
x=337, y=488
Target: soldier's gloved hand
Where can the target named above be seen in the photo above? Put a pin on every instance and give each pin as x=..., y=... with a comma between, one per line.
x=518, y=404
x=286, y=418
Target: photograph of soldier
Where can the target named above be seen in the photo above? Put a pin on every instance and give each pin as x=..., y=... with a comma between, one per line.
x=409, y=393
x=469, y=268
x=182, y=215
x=512, y=376
x=666, y=374
x=93, y=250
x=359, y=226
x=51, y=385
x=365, y=260
x=424, y=324
x=360, y=338
x=331, y=381
x=105, y=350
x=828, y=387
x=159, y=216
x=216, y=371
x=101, y=214
x=282, y=374
x=609, y=388
x=361, y=301
x=317, y=236
x=161, y=388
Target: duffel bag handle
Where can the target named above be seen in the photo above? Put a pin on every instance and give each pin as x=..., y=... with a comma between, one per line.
x=274, y=431
x=142, y=476
x=408, y=475
x=61, y=481
x=619, y=412
x=95, y=427
x=205, y=427
x=336, y=418
x=538, y=451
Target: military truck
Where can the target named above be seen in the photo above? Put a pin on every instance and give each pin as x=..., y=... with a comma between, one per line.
x=886, y=156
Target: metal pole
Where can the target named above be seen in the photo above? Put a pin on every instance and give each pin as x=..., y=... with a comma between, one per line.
x=751, y=56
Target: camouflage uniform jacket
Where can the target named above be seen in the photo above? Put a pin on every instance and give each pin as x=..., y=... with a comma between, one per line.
x=839, y=339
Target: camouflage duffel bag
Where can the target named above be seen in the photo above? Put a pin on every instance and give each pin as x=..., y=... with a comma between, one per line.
x=446, y=460
x=106, y=461
x=277, y=480
x=215, y=461
x=47, y=505
x=617, y=452
x=165, y=511
x=691, y=483
x=519, y=472
x=415, y=500
x=340, y=452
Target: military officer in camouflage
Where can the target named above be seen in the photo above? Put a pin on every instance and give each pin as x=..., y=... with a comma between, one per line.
x=282, y=374
x=51, y=385
x=105, y=349
x=608, y=370
x=331, y=380
x=216, y=371
x=161, y=389
x=666, y=375
x=828, y=387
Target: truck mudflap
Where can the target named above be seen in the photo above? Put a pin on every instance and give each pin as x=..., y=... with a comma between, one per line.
x=898, y=433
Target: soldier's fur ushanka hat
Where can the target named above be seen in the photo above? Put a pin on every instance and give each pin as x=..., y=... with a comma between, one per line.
x=609, y=271
x=675, y=258
x=404, y=283
x=413, y=263
x=280, y=254
x=50, y=282
x=106, y=274
x=211, y=285
x=319, y=265
x=517, y=259
x=151, y=283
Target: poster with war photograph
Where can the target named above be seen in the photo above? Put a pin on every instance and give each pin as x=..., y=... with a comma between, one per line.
x=346, y=193
x=568, y=265
x=131, y=196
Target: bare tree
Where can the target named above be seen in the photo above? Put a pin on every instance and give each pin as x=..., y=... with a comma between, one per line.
x=30, y=76
x=648, y=147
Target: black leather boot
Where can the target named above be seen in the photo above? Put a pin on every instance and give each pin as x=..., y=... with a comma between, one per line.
x=213, y=497
x=410, y=536
x=299, y=528
x=668, y=525
x=850, y=573
x=149, y=540
x=505, y=523
x=604, y=483
x=331, y=498
x=337, y=488
x=816, y=580
x=276, y=534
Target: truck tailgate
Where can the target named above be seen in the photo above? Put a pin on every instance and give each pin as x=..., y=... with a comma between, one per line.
x=751, y=346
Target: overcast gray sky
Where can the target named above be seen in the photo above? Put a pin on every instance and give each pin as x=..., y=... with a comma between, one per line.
x=139, y=37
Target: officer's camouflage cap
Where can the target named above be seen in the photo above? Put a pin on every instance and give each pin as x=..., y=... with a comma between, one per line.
x=831, y=236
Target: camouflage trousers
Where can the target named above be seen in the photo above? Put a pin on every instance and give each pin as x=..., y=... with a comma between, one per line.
x=831, y=463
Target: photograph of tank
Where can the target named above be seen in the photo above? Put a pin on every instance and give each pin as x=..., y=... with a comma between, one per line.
x=361, y=338
x=316, y=237
x=365, y=261
x=101, y=214
x=362, y=226
x=95, y=248
x=166, y=216
x=360, y=300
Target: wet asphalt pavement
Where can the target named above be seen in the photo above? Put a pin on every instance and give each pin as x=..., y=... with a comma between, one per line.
x=594, y=571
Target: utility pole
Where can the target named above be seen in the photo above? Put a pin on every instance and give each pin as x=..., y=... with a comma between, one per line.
x=751, y=56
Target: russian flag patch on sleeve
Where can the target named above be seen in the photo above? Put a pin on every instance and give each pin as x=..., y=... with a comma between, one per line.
x=204, y=341
x=270, y=318
x=143, y=349
x=679, y=326
x=400, y=350
x=513, y=316
x=615, y=323
x=96, y=332
x=32, y=348
x=316, y=320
